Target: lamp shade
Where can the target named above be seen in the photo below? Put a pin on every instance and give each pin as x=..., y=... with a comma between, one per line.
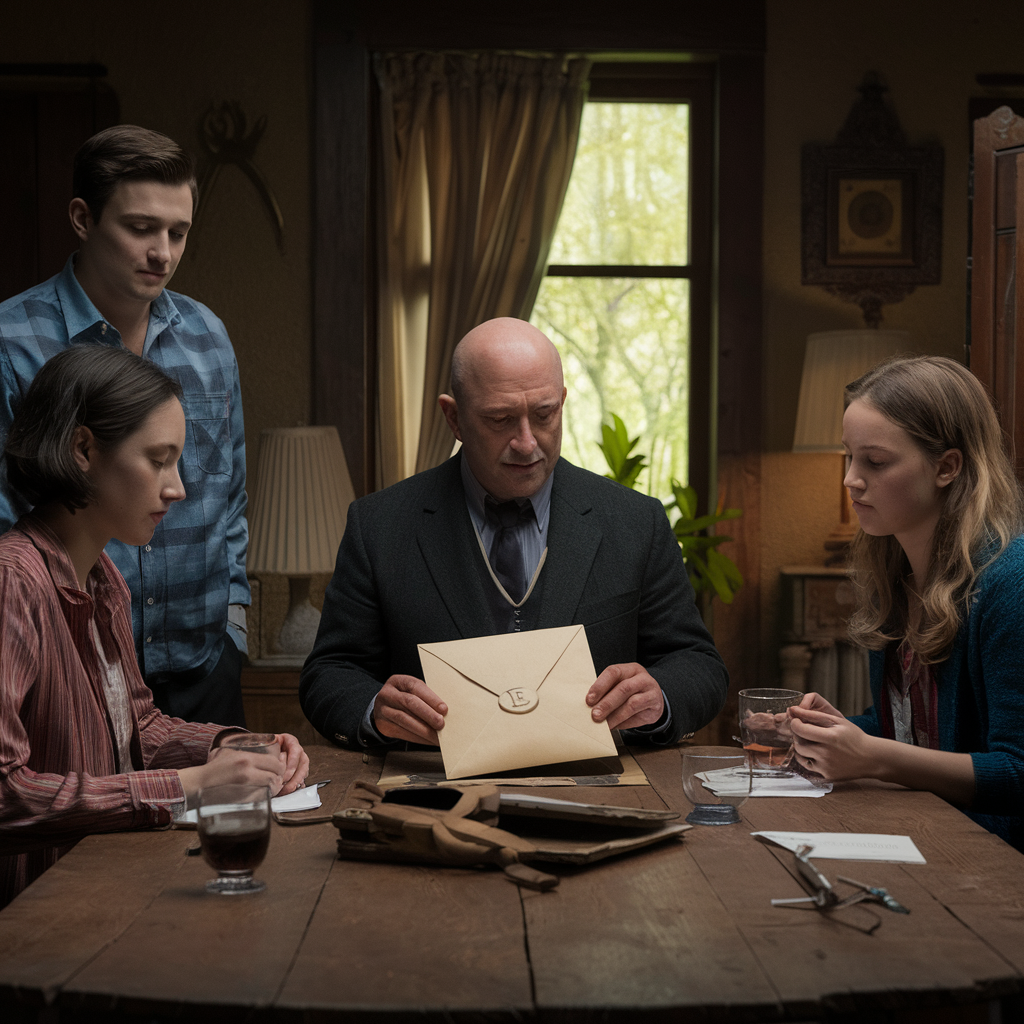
x=299, y=510
x=834, y=359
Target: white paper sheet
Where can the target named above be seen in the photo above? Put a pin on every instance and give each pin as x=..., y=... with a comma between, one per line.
x=850, y=846
x=305, y=799
x=733, y=781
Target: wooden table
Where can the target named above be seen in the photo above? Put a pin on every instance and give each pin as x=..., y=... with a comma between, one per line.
x=121, y=928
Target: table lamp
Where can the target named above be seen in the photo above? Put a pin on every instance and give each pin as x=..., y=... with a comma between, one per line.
x=832, y=360
x=298, y=516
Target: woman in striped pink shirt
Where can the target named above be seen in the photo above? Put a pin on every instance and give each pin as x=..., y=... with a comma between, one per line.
x=94, y=447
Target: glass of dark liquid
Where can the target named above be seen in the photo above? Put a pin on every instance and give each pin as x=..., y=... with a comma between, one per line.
x=234, y=832
x=765, y=731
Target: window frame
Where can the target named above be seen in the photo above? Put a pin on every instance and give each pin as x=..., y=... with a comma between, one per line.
x=691, y=82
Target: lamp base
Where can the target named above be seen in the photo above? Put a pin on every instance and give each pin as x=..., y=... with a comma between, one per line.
x=838, y=542
x=298, y=633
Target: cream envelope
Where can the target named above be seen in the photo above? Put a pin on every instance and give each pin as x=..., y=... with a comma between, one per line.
x=515, y=700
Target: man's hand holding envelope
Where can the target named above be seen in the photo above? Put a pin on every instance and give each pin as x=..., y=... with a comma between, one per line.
x=515, y=700
x=625, y=696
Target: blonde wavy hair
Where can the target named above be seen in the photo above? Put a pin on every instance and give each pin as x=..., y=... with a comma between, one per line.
x=941, y=405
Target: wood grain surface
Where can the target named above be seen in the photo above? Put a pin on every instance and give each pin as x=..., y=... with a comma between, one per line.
x=683, y=931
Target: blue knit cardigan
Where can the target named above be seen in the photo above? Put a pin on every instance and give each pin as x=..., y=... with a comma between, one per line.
x=981, y=695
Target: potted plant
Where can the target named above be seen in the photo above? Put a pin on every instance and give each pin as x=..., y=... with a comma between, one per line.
x=711, y=573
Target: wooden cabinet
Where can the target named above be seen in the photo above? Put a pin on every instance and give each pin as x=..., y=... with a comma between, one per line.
x=997, y=266
x=271, y=699
x=817, y=601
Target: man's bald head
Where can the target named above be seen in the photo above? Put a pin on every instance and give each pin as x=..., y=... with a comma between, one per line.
x=504, y=339
x=506, y=406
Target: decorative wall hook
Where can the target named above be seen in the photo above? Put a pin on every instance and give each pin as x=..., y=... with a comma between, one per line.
x=223, y=132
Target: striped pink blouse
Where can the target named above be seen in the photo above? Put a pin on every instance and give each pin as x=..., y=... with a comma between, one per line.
x=58, y=755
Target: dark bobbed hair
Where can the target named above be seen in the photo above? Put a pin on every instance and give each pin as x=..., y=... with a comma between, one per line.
x=942, y=406
x=128, y=153
x=109, y=390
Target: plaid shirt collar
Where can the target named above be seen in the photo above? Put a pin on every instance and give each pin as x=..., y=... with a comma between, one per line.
x=85, y=323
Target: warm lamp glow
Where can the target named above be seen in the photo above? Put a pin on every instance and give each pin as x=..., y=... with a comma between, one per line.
x=298, y=516
x=832, y=360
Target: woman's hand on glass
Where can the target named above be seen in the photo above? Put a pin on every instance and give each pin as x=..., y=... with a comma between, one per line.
x=227, y=767
x=296, y=763
x=815, y=702
x=827, y=743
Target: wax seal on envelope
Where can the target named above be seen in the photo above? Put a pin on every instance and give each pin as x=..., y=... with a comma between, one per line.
x=515, y=700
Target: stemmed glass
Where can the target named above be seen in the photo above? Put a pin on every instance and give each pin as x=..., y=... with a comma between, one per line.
x=716, y=780
x=765, y=730
x=234, y=832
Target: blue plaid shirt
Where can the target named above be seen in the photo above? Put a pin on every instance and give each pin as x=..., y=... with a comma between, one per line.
x=194, y=567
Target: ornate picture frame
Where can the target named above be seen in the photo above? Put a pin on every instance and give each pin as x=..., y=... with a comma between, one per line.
x=871, y=209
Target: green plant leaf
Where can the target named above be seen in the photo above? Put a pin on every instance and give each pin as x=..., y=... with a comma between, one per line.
x=707, y=568
x=616, y=447
x=685, y=499
x=688, y=525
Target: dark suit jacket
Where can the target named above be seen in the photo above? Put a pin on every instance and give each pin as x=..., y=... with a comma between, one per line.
x=410, y=571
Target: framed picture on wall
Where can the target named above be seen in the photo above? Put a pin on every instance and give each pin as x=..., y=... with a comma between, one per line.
x=871, y=209
x=871, y=218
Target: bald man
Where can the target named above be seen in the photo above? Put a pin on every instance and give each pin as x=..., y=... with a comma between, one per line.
x=413, y=567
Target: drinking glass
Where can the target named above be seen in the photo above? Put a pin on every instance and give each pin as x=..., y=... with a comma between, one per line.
x=765, y=731
x=253, y=742
x=234, y=832
x=716, y=780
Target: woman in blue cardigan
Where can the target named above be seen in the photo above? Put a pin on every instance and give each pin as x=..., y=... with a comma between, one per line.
x=939, y=570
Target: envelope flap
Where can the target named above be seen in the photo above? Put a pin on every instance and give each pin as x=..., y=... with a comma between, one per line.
x=498, y=663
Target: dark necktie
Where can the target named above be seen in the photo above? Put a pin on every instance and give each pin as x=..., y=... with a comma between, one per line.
x=506, y=554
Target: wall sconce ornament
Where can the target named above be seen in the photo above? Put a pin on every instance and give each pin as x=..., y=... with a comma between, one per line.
x=871, y=208
x=223, y=132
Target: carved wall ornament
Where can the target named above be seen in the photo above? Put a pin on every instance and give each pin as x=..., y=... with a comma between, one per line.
x=226, y=139
x=871, y=208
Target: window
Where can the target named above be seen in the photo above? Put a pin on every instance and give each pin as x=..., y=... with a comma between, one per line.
x=627, y=297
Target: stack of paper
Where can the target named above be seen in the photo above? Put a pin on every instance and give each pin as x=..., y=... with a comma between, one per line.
x=733, y=782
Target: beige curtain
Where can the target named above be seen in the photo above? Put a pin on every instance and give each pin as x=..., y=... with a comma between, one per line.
x=476, y=157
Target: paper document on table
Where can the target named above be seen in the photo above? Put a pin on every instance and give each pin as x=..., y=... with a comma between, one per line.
x=305, y=799
x=849, y=846
x=733, y=782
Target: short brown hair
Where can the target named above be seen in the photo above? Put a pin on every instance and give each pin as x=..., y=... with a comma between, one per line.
x=109, y=390
x=128, y=153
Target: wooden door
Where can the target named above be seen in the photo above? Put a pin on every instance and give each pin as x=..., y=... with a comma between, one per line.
x=997, y=269
x=43, y=121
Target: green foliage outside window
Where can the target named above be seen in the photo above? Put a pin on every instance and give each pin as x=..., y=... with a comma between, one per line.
x=625, y=341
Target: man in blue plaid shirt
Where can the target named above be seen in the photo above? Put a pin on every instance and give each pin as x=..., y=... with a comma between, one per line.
x=134, y=192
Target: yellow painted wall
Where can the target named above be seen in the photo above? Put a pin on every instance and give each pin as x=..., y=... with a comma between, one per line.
x=928, y=53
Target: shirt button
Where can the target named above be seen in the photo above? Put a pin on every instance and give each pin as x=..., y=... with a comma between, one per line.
x=149, y=639
x=149, y=600
x=103, y=329
x=149, y=547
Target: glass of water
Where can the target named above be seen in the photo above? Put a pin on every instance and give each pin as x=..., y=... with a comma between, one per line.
x=717, y=781
x=765, y=729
